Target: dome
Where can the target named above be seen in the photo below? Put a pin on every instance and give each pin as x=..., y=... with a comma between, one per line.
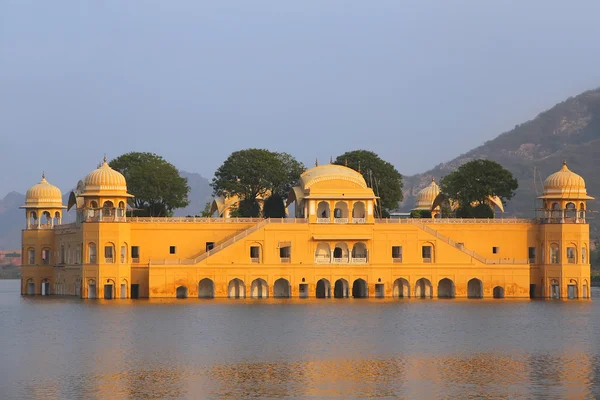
x=330, y=172
x=43, y=195
x=564, y=184
x=427, y=195
x=105, y=179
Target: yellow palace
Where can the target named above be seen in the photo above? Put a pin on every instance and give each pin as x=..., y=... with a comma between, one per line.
x=332, y=247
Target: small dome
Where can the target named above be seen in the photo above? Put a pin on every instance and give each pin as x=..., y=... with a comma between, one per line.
x=564, y=183
x=43, y=194
x=105, y=179
x=427, y=195
x=330, y=172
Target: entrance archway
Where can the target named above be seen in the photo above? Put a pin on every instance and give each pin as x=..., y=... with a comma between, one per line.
x=281, y=288
x=475, y=289
x=30, y=287
x=91, y=289
x=236, y=289
x=446, y=289
x=206, y=289
x=181, y=292
x=259, y=289
x=360, y=289
x=323, y=289
x=423, y=288
x=401, y=288
x=322, y=253
x=45, y=287
x=341, y=289
x=498, y=292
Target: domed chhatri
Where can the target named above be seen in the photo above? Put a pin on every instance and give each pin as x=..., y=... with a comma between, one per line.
x=427, y=195
x=565, y=184
x=106, y=180
x=43, y=194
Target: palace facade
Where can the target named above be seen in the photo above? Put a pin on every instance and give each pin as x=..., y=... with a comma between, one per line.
x=333, y=246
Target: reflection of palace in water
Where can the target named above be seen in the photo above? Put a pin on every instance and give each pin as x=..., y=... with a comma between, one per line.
x=334, y=246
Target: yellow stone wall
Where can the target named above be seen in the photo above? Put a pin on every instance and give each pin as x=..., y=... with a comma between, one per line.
x=159, y=273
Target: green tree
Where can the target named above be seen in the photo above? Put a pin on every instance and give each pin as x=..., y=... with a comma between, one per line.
x=206, y=212
x=256, y=172
x=478, y=211
x=274, y=207
x=420, y=214
x=156, y=184
x=379, y=174
x=477, y=180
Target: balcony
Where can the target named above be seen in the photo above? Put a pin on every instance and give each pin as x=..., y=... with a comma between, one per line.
x=323, y=220
x=322, y=260
x=340, y=220
x=397, y=260
x=343, y=260
x=109, y=260
x=255, y=260
x=135, y=260
x=359, y=220
x=285, y=260
x=427, y=260
x=571, y=260
x=358, y=260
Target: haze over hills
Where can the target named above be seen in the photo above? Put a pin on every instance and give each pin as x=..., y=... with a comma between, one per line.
x=570, y=130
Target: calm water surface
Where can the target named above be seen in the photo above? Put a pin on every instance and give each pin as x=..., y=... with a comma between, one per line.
x=61, y=347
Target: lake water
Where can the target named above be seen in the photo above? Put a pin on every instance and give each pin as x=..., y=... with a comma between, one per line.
x=62, y=347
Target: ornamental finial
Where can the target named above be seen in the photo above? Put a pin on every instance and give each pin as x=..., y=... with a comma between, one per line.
x=330, y=159
x=104, y=157
x=43, y=175
x=316, y=162
x=565, y=161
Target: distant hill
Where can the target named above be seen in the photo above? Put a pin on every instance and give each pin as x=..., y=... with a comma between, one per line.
x=570, y=130
x=12, y=219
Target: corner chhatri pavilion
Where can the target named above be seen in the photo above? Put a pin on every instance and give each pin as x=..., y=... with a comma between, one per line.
x=332, y=247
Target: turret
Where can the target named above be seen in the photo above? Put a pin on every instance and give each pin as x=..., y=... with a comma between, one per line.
x=43, y=206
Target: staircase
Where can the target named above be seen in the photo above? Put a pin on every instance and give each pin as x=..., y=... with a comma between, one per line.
x=462, y=248
x=218, y=246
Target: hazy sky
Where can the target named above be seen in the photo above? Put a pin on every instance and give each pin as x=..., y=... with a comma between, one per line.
x=418, y=82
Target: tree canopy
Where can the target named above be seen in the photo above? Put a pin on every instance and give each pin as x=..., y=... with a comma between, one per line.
x=477, y=180
x=156, y=184
x=379, y=174
x=256, y=172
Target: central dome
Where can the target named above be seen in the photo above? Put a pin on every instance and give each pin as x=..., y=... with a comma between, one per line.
x=105, y=179
x=330, y=172
x=564, y=183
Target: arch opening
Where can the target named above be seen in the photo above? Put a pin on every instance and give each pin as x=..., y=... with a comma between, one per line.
x=341, y=289
x=498, y=292
x=446, y=289
x=340, y=253
x=423, y=288
x=181, y=292
x=401, y=288
x=359, y=252
x=359, y=212
x=206, y=289
x=236, y=289
x=259, y=289
x=340, y=212
x=281, y=288
x=360, y=289
x=323, y=212
x=475, y=289
x=323, y=290
x=322, y=253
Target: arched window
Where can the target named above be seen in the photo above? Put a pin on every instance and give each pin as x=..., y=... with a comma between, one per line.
x=31, y=256
x=323, y=212
x=359, y=212
x=556, y=211
x=33, y=220
x=121, y=209
x=109, y=253
x=571, y=212
x=69, y=254
x=108, y=209
x=322, y=254
x=124, y=253
x=46, y=256
x=428, y=253
x=340, y=213
x=554, y=253
x=359, y=252
x=57, y=218
x=46, y=219
x=584, y=255
x=92, y=253
x=572, y=254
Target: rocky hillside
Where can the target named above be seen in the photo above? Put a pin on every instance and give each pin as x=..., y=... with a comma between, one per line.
x=570, y=130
